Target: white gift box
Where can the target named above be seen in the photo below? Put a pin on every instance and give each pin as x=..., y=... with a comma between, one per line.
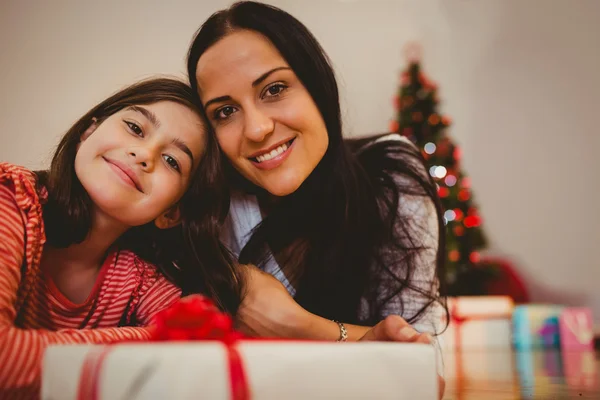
x=274, y=370
x=479, y=323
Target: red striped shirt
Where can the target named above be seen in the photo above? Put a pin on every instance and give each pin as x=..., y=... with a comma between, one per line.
x=34, y=313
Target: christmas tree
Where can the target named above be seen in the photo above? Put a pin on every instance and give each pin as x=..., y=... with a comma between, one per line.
x=420, y=121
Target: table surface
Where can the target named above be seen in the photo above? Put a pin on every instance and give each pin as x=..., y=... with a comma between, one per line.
x=544, y=375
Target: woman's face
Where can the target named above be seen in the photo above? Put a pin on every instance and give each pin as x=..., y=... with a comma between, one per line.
x=265, y=120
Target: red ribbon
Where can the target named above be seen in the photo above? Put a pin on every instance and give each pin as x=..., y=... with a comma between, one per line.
x=193, y=318
x=458, y=320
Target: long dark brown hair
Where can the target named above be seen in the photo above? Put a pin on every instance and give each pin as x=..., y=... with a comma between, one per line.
x=190, y=254
x=342, y=227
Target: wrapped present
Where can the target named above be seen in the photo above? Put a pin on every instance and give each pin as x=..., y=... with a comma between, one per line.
x=201, y=357
x=478, y=322
x=576, y=329
x=536, y=326
x=257, y=370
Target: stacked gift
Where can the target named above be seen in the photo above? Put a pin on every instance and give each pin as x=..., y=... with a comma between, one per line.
x=213, y=362
x=577, y=345
x=478, y=323
x=535, y=326
x=576, y=329
x=566, y=337
x=477, y=342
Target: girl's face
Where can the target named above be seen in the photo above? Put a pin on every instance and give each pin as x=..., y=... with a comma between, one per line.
x=265, y=120
x=136, y=164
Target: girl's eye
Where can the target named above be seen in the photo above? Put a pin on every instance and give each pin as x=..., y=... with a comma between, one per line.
x=274, y=90
x=133, y=127
x=223, y=112
x=172, y=162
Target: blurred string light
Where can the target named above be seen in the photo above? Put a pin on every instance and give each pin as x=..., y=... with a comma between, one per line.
x=450, y=180
x=454, y=255
x=450, y=215
x=429, y=148
x=438, y=171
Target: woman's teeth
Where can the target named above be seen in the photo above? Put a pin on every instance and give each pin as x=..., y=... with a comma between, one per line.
x=274, y=153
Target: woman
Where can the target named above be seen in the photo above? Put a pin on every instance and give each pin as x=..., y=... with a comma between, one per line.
x=351, y=228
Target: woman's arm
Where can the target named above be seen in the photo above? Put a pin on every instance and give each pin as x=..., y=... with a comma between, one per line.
x=268, y=310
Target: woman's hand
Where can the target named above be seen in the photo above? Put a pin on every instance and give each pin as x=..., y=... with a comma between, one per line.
x=267, y=308
x=395, y=329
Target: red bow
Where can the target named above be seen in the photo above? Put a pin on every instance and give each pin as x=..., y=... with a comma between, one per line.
x=193, y=318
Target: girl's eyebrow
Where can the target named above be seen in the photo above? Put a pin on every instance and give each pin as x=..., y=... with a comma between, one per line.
x=183, y=147
x=150, y=116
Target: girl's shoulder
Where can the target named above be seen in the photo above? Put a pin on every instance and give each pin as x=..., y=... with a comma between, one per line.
x=24, y=186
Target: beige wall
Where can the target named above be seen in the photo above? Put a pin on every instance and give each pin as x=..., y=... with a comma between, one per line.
x=519, y=78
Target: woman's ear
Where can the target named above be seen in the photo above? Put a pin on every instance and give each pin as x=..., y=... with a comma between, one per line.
x=169, y=219
x=93, y=126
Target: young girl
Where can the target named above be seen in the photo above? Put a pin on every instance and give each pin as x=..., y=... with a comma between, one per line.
x=90, y=248
x=351, y=229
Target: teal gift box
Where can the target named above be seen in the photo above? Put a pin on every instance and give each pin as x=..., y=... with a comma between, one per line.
x=536, y=326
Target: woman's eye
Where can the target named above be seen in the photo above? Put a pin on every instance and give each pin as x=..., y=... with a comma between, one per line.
x=172, y=162
x=224, y=112
x=134, y=128
x=275, y=90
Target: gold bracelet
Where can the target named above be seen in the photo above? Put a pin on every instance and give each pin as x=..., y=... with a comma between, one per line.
x=343, y=332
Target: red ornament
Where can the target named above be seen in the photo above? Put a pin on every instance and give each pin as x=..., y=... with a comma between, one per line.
x=464, y=195
x=408, y=132
x=434, y=119
x=465, y=182
x=454, y=255
x=443, y=191
x=472, y=221
x=459, y=230
x=457, y=153
x=474, y=257
x=472, y=211
x=446, y=120
x=394, y=126
x=458, y=214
